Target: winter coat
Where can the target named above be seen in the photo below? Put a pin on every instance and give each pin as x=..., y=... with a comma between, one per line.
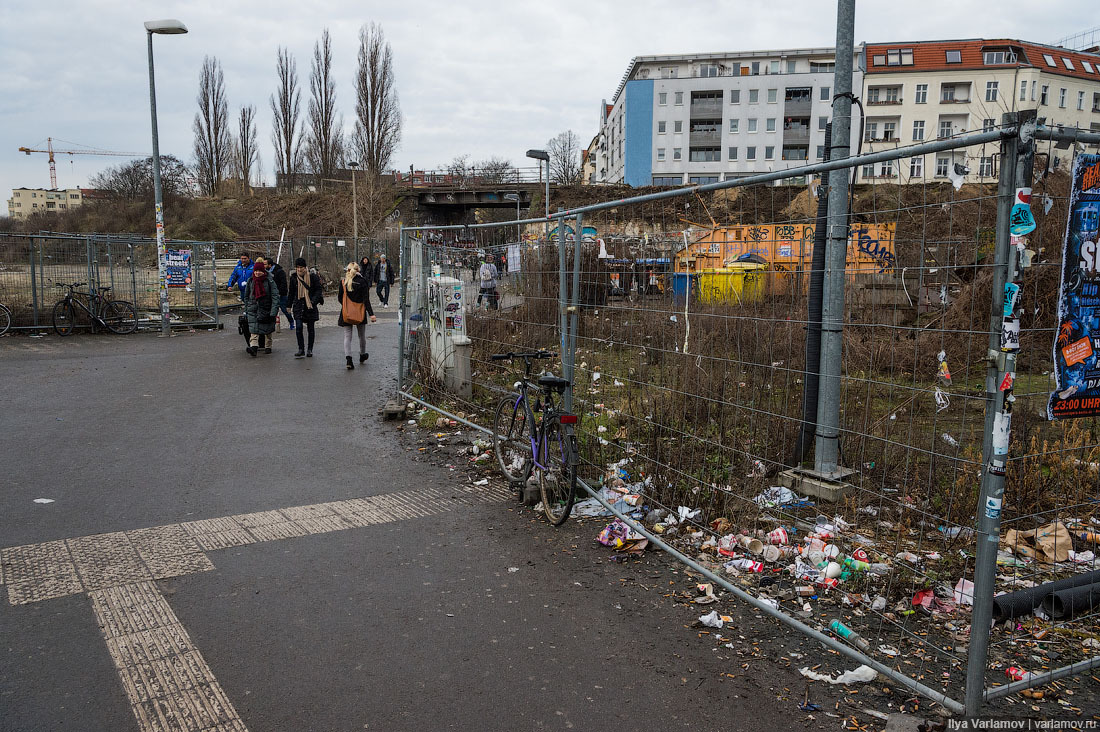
x=297, y=299
x=378, y=272
x=360, y=292
x=241, y=275
x=261, y=311
x=276, y=271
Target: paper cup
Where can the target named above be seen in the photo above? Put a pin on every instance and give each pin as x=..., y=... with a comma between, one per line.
x=753, y=546
x=778, y=536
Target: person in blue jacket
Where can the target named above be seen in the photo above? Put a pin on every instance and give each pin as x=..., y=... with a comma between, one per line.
x=242, y=273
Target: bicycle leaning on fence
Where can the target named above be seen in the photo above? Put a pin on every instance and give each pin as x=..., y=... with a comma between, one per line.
x=5, y=318
x=552, y=449
x=117, y=316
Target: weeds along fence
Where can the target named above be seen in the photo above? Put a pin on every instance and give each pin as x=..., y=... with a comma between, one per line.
x=33, y=265
x=692, y=351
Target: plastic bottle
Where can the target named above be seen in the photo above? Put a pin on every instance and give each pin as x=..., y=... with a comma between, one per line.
x=850, y=635
x=880, y=569
x=856, y=565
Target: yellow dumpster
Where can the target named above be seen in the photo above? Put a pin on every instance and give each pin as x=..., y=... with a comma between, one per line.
x=735, y=283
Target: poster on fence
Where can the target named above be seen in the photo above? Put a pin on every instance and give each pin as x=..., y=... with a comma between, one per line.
x=513, y=258
x=1077, y=342
x=177, y=265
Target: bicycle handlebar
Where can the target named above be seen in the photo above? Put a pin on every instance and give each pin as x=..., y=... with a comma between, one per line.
x=73, y=285
x=531, y=354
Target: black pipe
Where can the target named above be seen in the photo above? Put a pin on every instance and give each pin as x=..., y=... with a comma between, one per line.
x=1015, y=604
x=1064, y=604
x=811, y=376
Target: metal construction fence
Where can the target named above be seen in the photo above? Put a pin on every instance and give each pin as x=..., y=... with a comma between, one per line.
x=851, y=347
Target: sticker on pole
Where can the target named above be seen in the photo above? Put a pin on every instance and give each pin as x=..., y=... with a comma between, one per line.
x=1021, y=221
x=1002, y=428
x=1076, y=370
x=993, y=507
x=1010, y=335
x=1012, y=298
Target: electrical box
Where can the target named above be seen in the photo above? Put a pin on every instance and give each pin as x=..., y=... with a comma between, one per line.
x=450, y=347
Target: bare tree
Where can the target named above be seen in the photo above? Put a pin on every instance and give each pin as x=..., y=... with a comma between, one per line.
x=324, y=139
x=565, y=154
x=497, y=170
x=213, y=144
x=378, y=113
x=460, y=170
x=285, y=108
x=244, y=147
x=133, y=181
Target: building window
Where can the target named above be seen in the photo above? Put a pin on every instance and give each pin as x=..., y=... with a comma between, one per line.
x=995, y=58
x=661, y=127
x=735, y=96
x=773, y=95
x=668, y=72
x=771, y=124
x=662, y=98
x=985, y=167
x=991, y=88
x=947, y=93
x=678, y=126
x=702, y=180
x=918, y=130
x=750, y=153
x=1088, y=66
x=755, y=68
x=1062, y=97
x=752, y=124
x=1096, y=101
x=679, y=97
x=705, y=154
x=946, y=128
x=942, y=165
x=879, y=60
x=889, y=131
x=916, y=167
x=77, y=196
x=988, y=125
x=867, y=171
x=735, y=125
x=920, y=96
x=1080, y=100
x=822, y=122
x=677, y=154
x=822, y=67
x=825, y=97
x=1033, y=83
x=1044, y=95
x=667, y=180
x=1050, y=60
x=754, y=96
x=886, y=169
x=1068, y=63
x=795, y=152
x=792, y=66
x=660, y=153
x=954, y=57
x=870, y=133
x=769, y=152
x=731, y=153
x=1023, y=90
x=708, y=70
x=899, y=57
x=820, y=152
x=773, y=67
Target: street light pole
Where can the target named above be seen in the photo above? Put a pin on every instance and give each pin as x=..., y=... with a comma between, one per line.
x=354, y=210
x=542, y=155
x=167, y=27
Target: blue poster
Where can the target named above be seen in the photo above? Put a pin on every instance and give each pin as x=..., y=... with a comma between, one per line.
x=1077, y=344
x=177, y=265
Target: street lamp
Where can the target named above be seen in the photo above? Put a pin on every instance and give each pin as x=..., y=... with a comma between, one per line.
x=354, y=209
x=166, y=27
x=515, y=197
x=543, y=155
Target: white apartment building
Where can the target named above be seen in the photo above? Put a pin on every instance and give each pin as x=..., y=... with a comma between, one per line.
x=925, y=90
x=27, y=201
x=701, y=118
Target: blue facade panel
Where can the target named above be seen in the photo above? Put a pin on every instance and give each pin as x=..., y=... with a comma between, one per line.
x=638, y=135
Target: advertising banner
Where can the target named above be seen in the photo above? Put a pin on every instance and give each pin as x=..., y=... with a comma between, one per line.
x=178, y=267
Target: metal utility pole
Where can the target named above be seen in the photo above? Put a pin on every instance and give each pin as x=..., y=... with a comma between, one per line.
x=542, y=155
x=832, y=320
x=354, y=210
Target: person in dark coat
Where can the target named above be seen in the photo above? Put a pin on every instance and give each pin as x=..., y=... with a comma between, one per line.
x=279, y=275
x=383, y=278
x=261, y=305
x=355, y=287
x=305, y=293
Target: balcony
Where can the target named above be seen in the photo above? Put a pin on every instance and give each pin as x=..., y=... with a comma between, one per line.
x=797, y=135
x=955, y=100
x=883, y=102
x=705, y=138
x=706, y=108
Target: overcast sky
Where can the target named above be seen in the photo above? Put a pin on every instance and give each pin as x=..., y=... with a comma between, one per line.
x=487, y=78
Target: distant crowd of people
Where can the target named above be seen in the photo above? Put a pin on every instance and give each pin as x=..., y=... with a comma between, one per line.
x=266, y=290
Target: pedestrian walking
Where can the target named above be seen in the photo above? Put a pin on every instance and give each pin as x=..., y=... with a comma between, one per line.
x=354, y=294
x=279, y=275
x=383, y=277
x=242, y=273
x=261, y=305
x=487, y=275
x=305, y=295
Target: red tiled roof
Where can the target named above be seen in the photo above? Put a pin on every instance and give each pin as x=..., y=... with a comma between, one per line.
x=932, y=56
x=609, y=107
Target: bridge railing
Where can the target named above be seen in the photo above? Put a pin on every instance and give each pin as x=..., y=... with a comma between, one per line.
x=467, y=178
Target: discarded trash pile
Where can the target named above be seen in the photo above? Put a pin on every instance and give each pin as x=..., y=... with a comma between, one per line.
x=878, y=587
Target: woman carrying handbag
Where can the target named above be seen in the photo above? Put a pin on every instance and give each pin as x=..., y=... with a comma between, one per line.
x=355, y=306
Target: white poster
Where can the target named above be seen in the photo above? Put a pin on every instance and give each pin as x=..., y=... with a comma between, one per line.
x=513, y=257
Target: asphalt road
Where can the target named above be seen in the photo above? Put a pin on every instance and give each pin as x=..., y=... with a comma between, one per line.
x=477, y=616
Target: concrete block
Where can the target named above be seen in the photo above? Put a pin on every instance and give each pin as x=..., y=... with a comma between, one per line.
x=808, y=485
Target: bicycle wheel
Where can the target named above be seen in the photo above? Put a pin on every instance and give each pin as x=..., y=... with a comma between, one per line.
x=559, y=480
x=120, y=317
x=64, y=318
x=5, y=319
x=510, y=440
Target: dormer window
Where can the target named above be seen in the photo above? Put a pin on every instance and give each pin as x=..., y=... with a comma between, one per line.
x=954, y=57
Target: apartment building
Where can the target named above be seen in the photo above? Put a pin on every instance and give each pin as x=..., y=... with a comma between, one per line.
x=701, y=118
x=27, y=201
x=933, y=89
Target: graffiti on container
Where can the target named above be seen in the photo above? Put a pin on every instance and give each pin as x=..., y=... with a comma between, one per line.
x=786, y=231
x=756, y=233
x=879, y=252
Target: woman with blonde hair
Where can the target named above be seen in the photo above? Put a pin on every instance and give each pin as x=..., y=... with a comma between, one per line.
x=354, y=295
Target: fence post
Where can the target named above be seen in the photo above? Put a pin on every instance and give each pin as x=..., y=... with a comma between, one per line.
x=832, y=321
x=214, y=284
x=561, y=283
x=34, y=283
x=401, y=315
x=570, y=355
x=1017, y=157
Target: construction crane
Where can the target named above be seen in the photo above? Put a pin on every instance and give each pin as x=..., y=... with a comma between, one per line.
x=51, y=152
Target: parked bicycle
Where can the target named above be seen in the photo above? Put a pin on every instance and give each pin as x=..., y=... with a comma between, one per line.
x=546, y=445
x=5, y=318
x=117, y=316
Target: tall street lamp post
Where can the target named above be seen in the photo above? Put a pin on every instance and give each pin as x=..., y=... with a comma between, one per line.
x=166, y=27
x=543, y=155
x=354, y=209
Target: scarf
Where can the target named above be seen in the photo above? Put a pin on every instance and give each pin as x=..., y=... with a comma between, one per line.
x=303, y=290
x=259, y=280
